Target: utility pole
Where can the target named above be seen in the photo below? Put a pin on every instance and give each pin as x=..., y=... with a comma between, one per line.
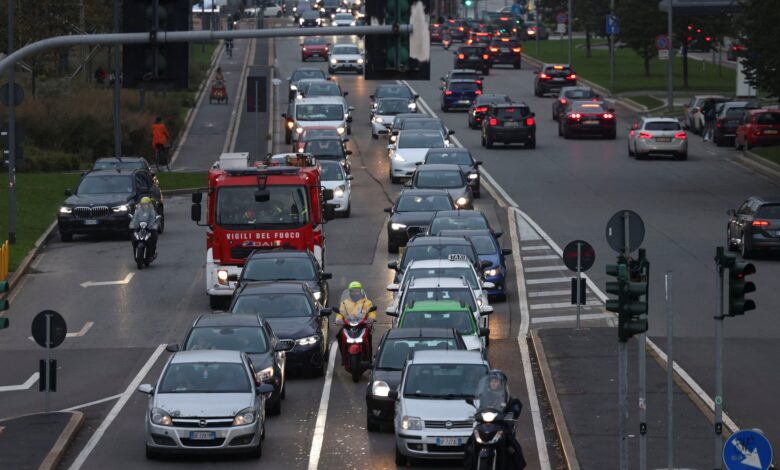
x=570, y=20
x=83, y=49
x=612, y=51
x=11, y=132
x=117, y=80
x=670, y=62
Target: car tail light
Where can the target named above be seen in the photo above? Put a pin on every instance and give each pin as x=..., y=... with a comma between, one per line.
x=478, y=92
x=757, y=132
x=461, y=56
x=608, y=116
x=448, y=92
x=493, y=49
x=544, y=76
x=645, y=135
x=493, y=122
x=517, y=49
x=575, y=116
x=461, y=29
x=480, y=109
x=760, y=223
x=304, y=49
x=680, y=135
x=718, y=123
x=478, y=82
x=571, y=77
x=485, y=56
x=529, y=121
x=563, y=101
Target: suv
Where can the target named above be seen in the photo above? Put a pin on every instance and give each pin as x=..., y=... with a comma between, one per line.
x=504, y=50
x=104, y=201
x=730, y=117
x=433, y=419
x=412, y=213
x=553, y=77
x=459, y=94
x=509, y=123
x=473, y=57
x=571, y=93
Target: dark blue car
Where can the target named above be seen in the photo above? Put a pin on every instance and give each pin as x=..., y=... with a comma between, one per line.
x=489, y=250
x=459, y=94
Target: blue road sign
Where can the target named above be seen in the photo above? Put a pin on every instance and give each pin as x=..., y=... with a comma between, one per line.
x=517, y=9
x=747, y=450
x=612, y=25
x=560, y=18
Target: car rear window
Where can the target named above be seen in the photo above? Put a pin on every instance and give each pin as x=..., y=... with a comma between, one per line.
x=516, y=112
x=486, y=99
x=589, y=107
x=464, y=86
x=768, y=118
x=504, y=42
x=735, y=111
x=557, y=72
x=769, y=211
x=662, y=126
x=471, y=51
x=579, y=94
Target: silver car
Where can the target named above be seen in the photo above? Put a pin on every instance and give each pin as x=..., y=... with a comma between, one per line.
x=659, y=136
x=410, y=149
x=345, y=57
x=206, y=401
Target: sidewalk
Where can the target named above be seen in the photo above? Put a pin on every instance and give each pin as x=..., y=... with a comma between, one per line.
x=37, y=441
x=582, y=377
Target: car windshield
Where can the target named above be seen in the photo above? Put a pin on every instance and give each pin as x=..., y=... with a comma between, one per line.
x=323, y=89
x=420, y=273
x=310, y=15
x=345, y=16
x=314, y=41
x=445, y=179
x=274, y=305
x=105, y=184
x=462, y=321
x=205, y=377
x=117, y=164
x=310, y=134
x=470, y=51
x=769, y=211
x=347, y=49
x=325, y=148
x=451, y=158
x=423, y=124
x=464, y=295
x=395, y=91
x=418, y=141
x=332, y=172
x=319, y=112
x=458, y=223
x=417, y=203
x=287, y=206
x=518, y=112
x=248, y=339
x=464, y=86
x=392, y=106
x=415, y=253
x=771, y=119
x=464, y=76
x=484, y=244
x=274, y=269
x=395, y=351
x=301, y=74
x=662, y=126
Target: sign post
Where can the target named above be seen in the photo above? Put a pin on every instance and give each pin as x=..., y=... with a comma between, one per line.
x=669, y=374
x=578, y=256
x=49, y=331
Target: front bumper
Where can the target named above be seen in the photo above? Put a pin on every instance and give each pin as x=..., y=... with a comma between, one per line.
x=110, y=223
x=178, y=439
x=426, y=444
x=353, y=66
x=379, y=409
x=381, y=127
x=305, y=357
x=676, y=146
x=314, y=54
x=341, y=203
x=402, y=169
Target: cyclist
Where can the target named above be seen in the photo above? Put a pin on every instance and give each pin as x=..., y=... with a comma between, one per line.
x=160, y=141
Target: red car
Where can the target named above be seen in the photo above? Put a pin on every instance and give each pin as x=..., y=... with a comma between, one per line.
x=436, y=32
x=758, y=127
x=314, y=47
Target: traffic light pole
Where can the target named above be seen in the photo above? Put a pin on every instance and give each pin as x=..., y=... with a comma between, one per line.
x=117, y=85
x=720, y=264
x=11, y=133
x=622, y=354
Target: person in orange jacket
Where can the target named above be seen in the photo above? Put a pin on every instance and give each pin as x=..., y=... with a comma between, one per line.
x=160, y=138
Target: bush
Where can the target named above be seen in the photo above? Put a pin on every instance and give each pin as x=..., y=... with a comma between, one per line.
x=38, y=160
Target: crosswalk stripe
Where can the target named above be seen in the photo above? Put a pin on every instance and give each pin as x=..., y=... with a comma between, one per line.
x=542, y=269
x=540, y=257
x=548, y=293
x=560, y=305
x=548, y=280
x=566, y=318
x=535, y=248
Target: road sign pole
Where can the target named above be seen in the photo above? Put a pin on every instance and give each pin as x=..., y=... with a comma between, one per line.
x=670, y=62
x=538, y=32
x=257, y=120
x=47, y=384
x=669, y=374
x=11, y=133
x=117, y=80
x=569, y=20
x=642, y=353
x=579, y=278
x=623, y=364
x=719, y=358
x=612, y=47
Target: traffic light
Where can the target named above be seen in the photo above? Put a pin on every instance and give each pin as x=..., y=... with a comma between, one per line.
x=738, y=287
x=156, y=65
x=468, y=3
x=631, y=288
x=619, y=272
x=4, y=305
x=388, y=57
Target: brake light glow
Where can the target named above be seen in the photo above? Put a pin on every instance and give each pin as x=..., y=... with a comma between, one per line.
x=564, y=101
x=558, y=67
x=493, y=122
x=504, y=18
x=571, y=77
x=760, y=223
x=504, y=39
x=645, y=135
x=680, y=135
x=544, y=76
x=608, y=116
x=478, y=82
x=461, y=29
x=485, y=56
x=529, y=121
x=461, y=56
x=493, y=49
x=478, y=92
x=318, y=238
x=517, y=49
x=480, y=109
x=448, y=92
x=575, y=116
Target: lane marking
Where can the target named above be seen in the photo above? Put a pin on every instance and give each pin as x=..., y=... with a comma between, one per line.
x=23, y=386
x=235, y=116
x=570, y=318
x=322, y=414
x=545, y=269
x=111, y=416
x=124, y=281
x=548, y=280
x=96, y=402
x=535, y=248
x=84, y=329
x=558, y=305
x=549, y=293
x=540, y=257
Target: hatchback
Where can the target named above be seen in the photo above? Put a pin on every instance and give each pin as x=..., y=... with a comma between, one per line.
x=587, y=118
x=754, y=226
x=553, y=77
x=475, y=57
x=655, y=135
x=759, y=127
x=509, y=123
x=459, y=94
x=447, y=177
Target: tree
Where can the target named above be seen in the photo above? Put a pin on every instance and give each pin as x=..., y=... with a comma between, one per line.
x=589, y=17
x=758, y=33
x=640, y=22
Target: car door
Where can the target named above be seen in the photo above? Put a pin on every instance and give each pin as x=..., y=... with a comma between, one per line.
x=742, y=215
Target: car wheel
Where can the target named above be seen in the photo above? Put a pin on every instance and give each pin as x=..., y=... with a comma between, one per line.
x=287, y=138
x=531, y=143
x=560, y=129
x=372, y=426
x=737, y=146
x=257, y=452
x=486, y=71
x=303, y=59
x=375, y=136
x=744, y=249
x=66, y=236
x=630, y=152
x=640, y=156
x=730, y=245
x=348, y=211
x=747, y=145
x=400, y=459
x=151, y=454
x=612, y=135
x=444, y=108
x=718, y=141
x=536, y=92
x=488, y=142
x=278, y=14
x=566, y=133
x=331, y=71
x=518, y=64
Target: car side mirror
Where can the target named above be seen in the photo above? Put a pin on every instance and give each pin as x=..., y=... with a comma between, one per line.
x=478, y=163
x=408, y=184
x=393, y=265
x=416, y=96
x=326, y=276
x=350, y=177
x=345, y=94
x=731, y=212
x=173, y=347
x=265, y=390
x=195, y=212
x=486, y=310
x=325, y=312
x=392, y=394
x=283, y=347
x=450, y=132
x=393, y=287
x=533, y=114
x=488, y=285
x=506, y=251
x=484, y=264
x=391, y=312
x=371, y=96
x=389, y=210
x=197, y=197
x=68, y=193
x=146, y=388
x=484, y=332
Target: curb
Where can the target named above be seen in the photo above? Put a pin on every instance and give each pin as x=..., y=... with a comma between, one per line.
x=759, y=163
x=180, y=191
x=564, y=437
x=21, y=270
x=61, y=445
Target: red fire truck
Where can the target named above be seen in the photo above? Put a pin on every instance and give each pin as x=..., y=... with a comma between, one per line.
x=256, y=208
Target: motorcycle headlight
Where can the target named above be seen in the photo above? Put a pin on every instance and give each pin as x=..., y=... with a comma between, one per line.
x=244, y=417
x=380, y=388
x=393, y=138
x=318, y=295
x=299, y=130
x=293, y=87
x=300, y=21
x=295, y=8
x=340, y=130
x=307, y=341
x=491, y=272
x=488, y=416
x=473, y=176
x=319, y=20
x=399, y=158
x=65, y=210
x=397, y=226
x=222, y=277
x=160, y=417
x=339, y=192
x=264, y=374
x=462, y=201
x=121, y=208
x=495, y=439
x=411, y=423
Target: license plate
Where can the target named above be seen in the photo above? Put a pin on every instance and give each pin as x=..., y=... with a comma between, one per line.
x=464, y=102
x=474, y=57
x=448, y=441
x=504, y=49
x=511, y=124
x=558, y=79
x=90, y=222
x=590, y=123
x=202, y=435
x=663, y=139
x=770, y=131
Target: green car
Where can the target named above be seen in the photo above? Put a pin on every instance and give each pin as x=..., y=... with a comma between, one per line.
x=445, y=314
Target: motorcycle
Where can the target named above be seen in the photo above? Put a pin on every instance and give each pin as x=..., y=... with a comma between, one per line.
x=141, y=251
x=446, y=42
x=354, y=341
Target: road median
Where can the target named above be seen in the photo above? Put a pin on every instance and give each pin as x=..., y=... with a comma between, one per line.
x=38, y=440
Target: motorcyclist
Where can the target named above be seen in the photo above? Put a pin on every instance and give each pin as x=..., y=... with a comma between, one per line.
x=145, y=212
x=355, y=304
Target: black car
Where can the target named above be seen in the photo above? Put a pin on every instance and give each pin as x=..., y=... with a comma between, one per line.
x=422, y=247
x=458, y=29
x=328, y=148
x=394, y=348
x=728, y=119
x=509, y=123
x=587, y=118
x=104, y=201
x=393, y=90
x=553, y=77
x=286, y=265
x=473, y=57
x=571, y=93
x=459, y=94
x=462, y=157
x=250, y=334
x=480, y=106
x=460, y=220
x=505, y=50
x=298, y=319
x=300, y=74
x=411, y=214
x=755, y=226
x=309, y=19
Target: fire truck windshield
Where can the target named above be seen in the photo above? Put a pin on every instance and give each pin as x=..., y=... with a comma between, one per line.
x=287, y=207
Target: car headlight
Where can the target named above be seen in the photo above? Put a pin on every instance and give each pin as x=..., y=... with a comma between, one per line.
x=244, y=417
x=378, y=119
x=222, y=277
x=412, y=106
x=300, y=21
x=397, y=226
x=399, y=158
x=491, y=272
x=473, y=176
x=354, y=23
x=332, y=16
x=319, y=20
x=333, y=61
x=360, y=60
x=488, y=416
x=496, y=437
x=462, y=201
x=293, y=87
x=393, y=138
x=322, y=10
x=411, y=423
x=299, y=130
x=160, y=417
x=380, y=388
x=121, y=208
x=264, y=374
x=295, y=8
x=340, y=130
x=290, y=124
x=65, y=210
x=307, y=341
x=339, y=192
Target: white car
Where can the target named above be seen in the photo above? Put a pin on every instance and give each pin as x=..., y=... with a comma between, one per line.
x=409, y=149
x=384, y=113
x=321, y=111
x=657, y=135
x=334, y=177
x=432, y=418
x=345, y=57
x=343, y=19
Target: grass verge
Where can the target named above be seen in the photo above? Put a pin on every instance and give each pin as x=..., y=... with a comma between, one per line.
x=647, y=100
x=770, y=153
x=629, y=69
x=175, y=180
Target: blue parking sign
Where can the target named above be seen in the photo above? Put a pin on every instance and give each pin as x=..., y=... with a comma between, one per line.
x=612, y=25
x=517, y=9
x=747, y=450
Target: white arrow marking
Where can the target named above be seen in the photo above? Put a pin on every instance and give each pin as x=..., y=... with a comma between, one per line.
x=126, y=280
x=77, y=334
x=15, y=388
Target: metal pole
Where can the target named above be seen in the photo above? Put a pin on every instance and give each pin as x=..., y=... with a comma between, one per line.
x=538, y=31
x=117, y=77
x=11, y=133
x=82, y=51
x=570, y=20
x=623, y=367
x=579, y=278
x=612, y=50
x=642, y=402
x=203, y=22
x=670, y=62
x=719, y=361
x=669, y=375
x=47, y=384
x=257, y=121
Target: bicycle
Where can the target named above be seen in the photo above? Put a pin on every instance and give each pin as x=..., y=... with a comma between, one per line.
x=161, y=157
x=229, y=49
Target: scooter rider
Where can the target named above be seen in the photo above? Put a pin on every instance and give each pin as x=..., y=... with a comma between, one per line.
x=355, y=304
x=145, y=212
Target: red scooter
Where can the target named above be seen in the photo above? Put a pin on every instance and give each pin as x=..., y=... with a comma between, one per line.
x=355, y=342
